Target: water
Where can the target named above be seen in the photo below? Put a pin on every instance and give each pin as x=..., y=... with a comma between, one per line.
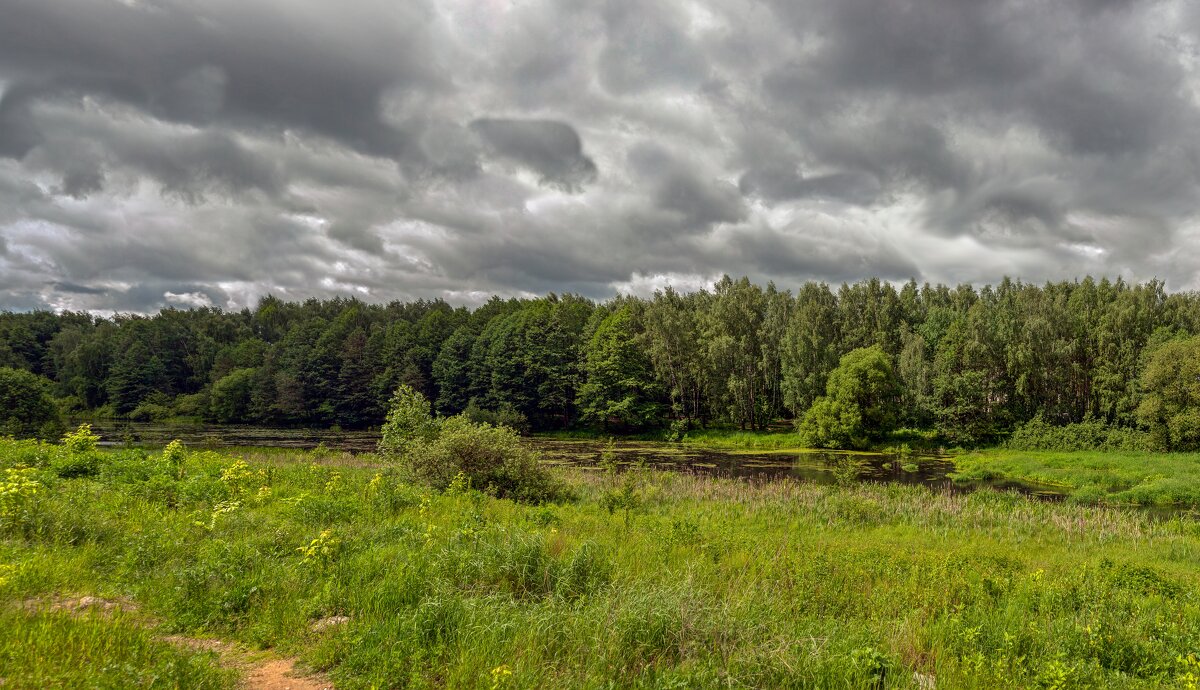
x=825, y=467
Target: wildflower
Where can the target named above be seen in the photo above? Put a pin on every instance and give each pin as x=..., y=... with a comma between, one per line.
x=500, y=676
x=322, y=549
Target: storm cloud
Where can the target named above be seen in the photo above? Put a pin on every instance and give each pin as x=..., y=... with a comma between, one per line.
x=175, y=152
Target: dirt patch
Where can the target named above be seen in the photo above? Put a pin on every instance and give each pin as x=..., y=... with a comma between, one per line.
x=280, y=674
x=257, y=674
x=78, y=605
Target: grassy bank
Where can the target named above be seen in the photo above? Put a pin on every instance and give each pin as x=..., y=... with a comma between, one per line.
x=643, y=580
x=1099, y=477
x=783, y=437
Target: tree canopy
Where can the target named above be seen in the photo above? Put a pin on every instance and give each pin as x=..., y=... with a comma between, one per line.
x=26, y=405
x=973, y=363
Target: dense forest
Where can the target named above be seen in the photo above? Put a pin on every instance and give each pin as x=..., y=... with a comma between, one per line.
x=971, y=363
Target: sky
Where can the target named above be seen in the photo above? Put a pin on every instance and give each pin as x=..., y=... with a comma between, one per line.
x=209, y=152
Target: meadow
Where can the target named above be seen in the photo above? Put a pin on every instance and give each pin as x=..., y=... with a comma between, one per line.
x=1139, y=478
x=633, y=579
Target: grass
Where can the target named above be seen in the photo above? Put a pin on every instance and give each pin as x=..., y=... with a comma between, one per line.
x=41, y=649
x=780, y=437
x=648, y=580
x=1108, y=477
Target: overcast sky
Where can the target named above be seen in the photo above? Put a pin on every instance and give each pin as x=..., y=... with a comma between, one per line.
x=207, y=152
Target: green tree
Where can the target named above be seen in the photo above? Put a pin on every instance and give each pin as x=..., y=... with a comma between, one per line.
x=136, y=373
x=619, y=389
x=1170, y=407
x=26, y=406
x=809, y=346
x=452, y=373
x=409, y=422
x=732, y=328
x=860, y=404
x=230, y=398
x=675, y=347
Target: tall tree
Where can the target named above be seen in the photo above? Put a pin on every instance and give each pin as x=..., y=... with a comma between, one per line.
x=619, y=390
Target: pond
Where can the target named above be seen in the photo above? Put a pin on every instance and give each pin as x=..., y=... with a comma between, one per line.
x=826, y=467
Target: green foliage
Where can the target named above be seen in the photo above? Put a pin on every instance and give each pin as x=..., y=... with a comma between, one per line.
x=174, y=455
x=408, y=422
x=80, y=441
x=974, y=363
x=1171, y=385
x=506, y=415
x=18, y=496
x=1114, y=477
x=229, y=400
x=619, y=390
x=493, y=459
x=26, y=406
x=716, y=583
x=436, y=452
x=150, y=412
x=1090, y=434
x=860, y=403
x=810, y=347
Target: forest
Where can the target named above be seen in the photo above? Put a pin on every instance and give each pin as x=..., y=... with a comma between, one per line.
x=969, y=364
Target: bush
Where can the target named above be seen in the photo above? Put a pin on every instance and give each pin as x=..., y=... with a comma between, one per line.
x=506, y=415
x=408, y=422
x=78, y=456
x=194, y=405
x=434, y=452
x=229, y=399
x=149, y=412
x=1090, y=434
x=492, y=458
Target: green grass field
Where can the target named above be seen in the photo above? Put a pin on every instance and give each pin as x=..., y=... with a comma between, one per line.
x=1098, y=477
x=642, y=580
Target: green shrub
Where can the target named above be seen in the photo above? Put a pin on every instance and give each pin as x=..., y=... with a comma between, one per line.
x=82, y=440
x=435, y=452
x=77, y=457
x=18, y=496
x=195, y=405
x=492, y=458
x=409, y=422
x=505, y=415
x=860, y=404
x=1090, y=434
x=149, y=412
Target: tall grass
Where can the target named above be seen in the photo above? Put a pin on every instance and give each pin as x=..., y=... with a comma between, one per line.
x=43, y=649
x=692, y=582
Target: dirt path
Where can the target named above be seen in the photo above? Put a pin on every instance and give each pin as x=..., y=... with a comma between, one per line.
x=279, y=674
x=257, y=673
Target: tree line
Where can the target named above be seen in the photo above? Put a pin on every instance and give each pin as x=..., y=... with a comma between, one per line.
x=972, y=363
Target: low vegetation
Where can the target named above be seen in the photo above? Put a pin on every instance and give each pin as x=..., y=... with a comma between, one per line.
x=1091, y=434
x=641, y=579
x=1111, y=477
x=443, y=451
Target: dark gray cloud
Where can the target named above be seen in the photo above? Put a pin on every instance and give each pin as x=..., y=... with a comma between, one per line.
x=172, y=152
x=552, y=149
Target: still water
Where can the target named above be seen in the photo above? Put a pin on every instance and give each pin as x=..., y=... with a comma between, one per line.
x=815, y=466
